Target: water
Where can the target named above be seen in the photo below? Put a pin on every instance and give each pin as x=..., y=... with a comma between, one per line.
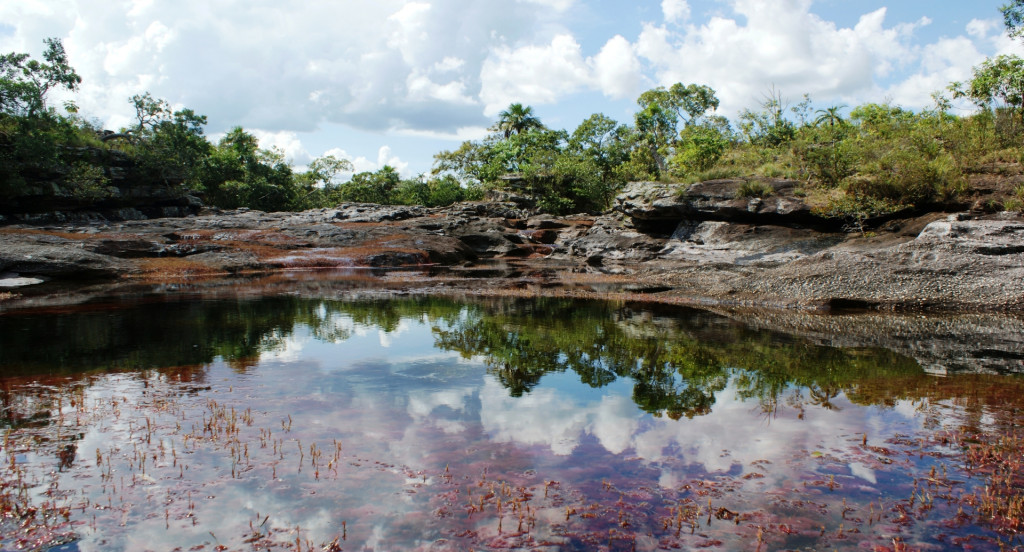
x=293, y=423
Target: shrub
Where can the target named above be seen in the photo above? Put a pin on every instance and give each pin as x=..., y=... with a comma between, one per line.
x=754, y=188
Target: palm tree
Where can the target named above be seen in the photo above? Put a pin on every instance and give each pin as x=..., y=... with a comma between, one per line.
x=517, y=119
x=830, y=116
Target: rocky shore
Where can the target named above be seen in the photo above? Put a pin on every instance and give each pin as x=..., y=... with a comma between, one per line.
x=705, y=246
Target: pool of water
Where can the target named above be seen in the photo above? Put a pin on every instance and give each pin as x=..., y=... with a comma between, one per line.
x=305, y=423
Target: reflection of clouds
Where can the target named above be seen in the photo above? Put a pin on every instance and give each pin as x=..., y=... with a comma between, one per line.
x=547, y=417
x=387, y=339
x=414, y=406
x=734, y=433
x=290, y=349
x=422, y=404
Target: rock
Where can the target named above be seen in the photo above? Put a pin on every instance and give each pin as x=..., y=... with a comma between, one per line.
x=127, y=248
x=12, y=280
x=983, y=237
x=59, y=261
x=705, y=245
x=724, y=242
x=614, y=239
x=371, y=212
x=715, y=200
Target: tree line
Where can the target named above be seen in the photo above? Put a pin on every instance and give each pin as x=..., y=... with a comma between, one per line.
x=862, y=161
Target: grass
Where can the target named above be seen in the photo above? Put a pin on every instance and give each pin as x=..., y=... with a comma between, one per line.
x=754, y=188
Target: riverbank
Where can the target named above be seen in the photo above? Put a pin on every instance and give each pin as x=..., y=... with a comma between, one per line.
x=704, y=247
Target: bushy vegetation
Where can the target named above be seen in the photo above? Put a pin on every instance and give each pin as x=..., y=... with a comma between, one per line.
x=56, y=157
x=853, y=163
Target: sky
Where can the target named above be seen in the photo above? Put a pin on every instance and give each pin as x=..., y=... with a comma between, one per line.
x=394, y=81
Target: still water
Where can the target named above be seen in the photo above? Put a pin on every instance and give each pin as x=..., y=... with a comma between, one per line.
x=293, y=423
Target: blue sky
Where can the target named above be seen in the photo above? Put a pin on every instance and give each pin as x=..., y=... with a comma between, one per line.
x=395, y=81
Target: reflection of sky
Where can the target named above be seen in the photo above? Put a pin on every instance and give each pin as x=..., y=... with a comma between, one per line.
x=392, y=397
x=560, y=413
x=410, y=340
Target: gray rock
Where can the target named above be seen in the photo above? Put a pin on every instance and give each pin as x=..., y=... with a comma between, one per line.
x=59, y=261
x=715, y=200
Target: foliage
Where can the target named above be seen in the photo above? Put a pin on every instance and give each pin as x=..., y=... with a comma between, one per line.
x=517, y=119
x=24, y=82
x=754, y=188
x=824, y=148
x=856, y=209
x=769, y=127
x=88, y=182
x=1013, y=17
x=661, y=111
x=700, y=148
x=868, y=161
x=998, y=83
x=168, y=146
x=240, y=174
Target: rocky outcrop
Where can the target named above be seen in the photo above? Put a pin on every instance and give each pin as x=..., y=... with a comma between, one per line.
x=128, y=193
x=57, y=260
x=703, y=246
x=720, y=200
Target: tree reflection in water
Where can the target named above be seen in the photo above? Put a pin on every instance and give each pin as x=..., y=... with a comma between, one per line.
x=159, y=373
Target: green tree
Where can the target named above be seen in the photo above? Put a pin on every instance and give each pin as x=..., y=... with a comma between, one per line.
x=371, y=187
x=33, y=136
x=661, y=111
x=168, y=145
x=700, y=148
x=517, y=119
x=470, y=163
x=997, y=81
x=825, y=150
x=1013, y=17
x=325, y=169
x=998, y=84
x=25, y=82
x=240, y=174
x=768, y=127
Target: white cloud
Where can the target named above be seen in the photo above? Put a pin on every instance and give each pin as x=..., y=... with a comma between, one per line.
x=286, y=141
x=557, y=5
x=443, y=68
x=421, y=88
x=617, y=69
x=780, y=44
x=362, y=164
x=675, y=11
x=449, y=64
x=533, y=74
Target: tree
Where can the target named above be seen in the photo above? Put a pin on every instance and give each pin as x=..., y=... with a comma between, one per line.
x=325, y=169
x=371, y=187
x=700, y=147
x=998, y=83
x=823, y=147
x=240, y=174
x=517, y=119
x=169, y=145
x=605, y=143
x=662, y=109
x=1013, y=17
x=830, y=116
x=24, y=82
x=998, y=80
x=148, y=111
x=768, y=127
x=470, y=163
